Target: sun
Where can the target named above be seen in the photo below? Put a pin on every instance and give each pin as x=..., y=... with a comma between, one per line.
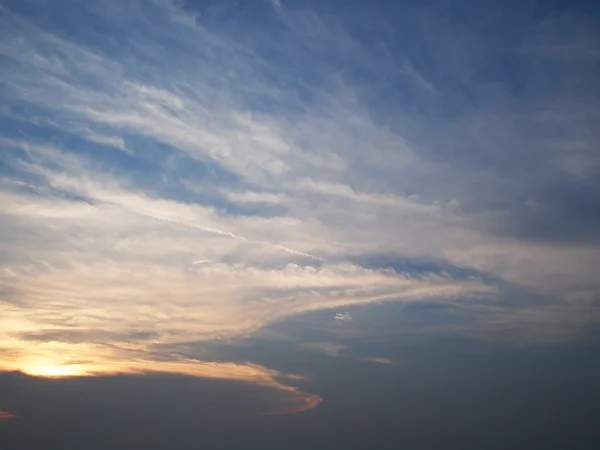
x=70, y=370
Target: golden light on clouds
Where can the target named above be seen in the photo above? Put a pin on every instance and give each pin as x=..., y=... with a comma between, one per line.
x=55, y=360
x=106, y=288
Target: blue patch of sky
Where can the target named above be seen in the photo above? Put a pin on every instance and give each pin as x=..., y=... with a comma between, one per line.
x=413, y=266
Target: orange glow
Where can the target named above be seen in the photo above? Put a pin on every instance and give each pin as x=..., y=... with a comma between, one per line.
x=44, y=361
x=6, y=415
x=71, y=370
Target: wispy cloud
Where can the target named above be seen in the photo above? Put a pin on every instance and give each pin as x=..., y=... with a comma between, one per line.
x=6, y=415
x=379, y=360
x=342, y=316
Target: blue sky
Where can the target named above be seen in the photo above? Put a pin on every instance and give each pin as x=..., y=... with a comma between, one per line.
x=182, y=180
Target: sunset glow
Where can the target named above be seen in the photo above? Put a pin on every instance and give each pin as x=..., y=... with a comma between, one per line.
x=379, y=218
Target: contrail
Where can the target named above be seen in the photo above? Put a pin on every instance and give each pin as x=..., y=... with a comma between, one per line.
x=292, y=251
x=233, y=236
x=200, y=227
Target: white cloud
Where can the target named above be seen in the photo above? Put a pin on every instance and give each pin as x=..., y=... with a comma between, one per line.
x=342, y=316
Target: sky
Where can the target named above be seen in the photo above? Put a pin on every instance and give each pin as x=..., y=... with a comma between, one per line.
x=310, y=224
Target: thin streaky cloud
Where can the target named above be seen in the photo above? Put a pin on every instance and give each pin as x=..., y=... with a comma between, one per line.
x=4, y=415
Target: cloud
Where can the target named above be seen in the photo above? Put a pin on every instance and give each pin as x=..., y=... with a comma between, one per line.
x=194, y=181
x=330, y=348
x=342, y=316
x=379, y=360
x=6, y=416
x=276, y=4
x=418, y=79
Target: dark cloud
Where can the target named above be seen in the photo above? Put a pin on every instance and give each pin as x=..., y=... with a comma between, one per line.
x=127, y=410
x=440, y=393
